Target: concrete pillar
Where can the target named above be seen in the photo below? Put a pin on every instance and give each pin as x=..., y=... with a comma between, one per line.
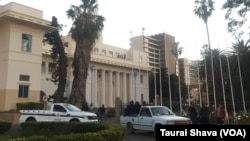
x=111, y=100
x=95, y=89
x=131, y=87
x=117, y=85
x=103, y=87
x=124, y=88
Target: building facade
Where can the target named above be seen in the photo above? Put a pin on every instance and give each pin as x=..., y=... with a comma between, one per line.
x=113, y=72
x=22, y=29
x=26, y=65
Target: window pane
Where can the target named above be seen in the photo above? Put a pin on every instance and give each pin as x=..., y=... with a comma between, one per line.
x=26, y=91
x=43, y=67
x=52, y=67
x=26, y=42
x=23, y=91
x=24, y=78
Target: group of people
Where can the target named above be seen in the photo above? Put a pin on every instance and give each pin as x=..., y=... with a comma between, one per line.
x=133, y=108
x=203, y=114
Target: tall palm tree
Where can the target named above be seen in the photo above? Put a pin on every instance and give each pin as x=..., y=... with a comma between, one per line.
x=85, y=30
x=204, y=9
x=240, y=52
x=176, y=52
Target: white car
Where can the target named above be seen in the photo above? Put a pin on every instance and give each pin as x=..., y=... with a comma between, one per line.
x=150, y=116
x=57, y=112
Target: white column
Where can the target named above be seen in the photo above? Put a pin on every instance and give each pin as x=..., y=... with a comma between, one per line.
x=118, y=85
x=124, y=88
x=103, y=88
x=131, y=87
x=111, y=100
x=95, y=89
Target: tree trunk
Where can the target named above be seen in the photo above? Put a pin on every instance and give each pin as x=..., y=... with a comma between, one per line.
x=62, y=64
x=80, y=71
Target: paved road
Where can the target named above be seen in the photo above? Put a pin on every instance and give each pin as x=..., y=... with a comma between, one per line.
x=140, y=136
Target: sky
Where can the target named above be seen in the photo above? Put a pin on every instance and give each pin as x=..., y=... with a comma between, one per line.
x=126, y=18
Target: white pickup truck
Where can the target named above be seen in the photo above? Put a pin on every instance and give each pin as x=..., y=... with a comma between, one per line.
x=57, y=112
x=149, y=117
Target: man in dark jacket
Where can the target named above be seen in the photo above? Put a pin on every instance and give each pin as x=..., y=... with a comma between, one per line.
x=204, y=114
x=192, y=113
x=101, y=112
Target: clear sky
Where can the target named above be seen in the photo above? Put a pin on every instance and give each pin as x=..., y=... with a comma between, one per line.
x=123, y=17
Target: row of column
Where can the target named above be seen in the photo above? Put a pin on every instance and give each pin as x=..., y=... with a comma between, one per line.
x=105, y=87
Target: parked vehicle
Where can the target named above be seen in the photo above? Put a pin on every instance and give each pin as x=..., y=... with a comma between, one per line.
x=57, y=112
x=149, y=117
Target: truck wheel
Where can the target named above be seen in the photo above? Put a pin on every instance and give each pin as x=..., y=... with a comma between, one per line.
x=74, y=120
x=31, y=119
x=130, y=129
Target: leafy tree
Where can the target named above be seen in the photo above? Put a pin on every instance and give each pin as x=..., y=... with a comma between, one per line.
x=177, y=51
x=85, y=30
x=240, y=8
x=240, y=51
x=58, y=55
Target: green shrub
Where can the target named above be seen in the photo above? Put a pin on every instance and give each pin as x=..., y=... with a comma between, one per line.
x=5, y=126
x=114, y=133
x=29, y=106
x=243, y=118
x=57, y=128
x=79, y=137
x=75, y=132
x=32, y=138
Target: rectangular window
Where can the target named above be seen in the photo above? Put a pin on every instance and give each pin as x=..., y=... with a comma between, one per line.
x=117, y=55
x=52, y=67
x=111, y=53
x=140, y=59
x=96, y=50
x=23, y=91
x=24, y=77
x=43, y=67
x=104, y=52
x=141, y=79
x=66, y=44
x=26, y=42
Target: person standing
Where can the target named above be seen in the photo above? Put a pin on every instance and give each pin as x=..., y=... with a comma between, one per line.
x=204, y=114
x=220, y=114
x=192, y=113
x=101, y=112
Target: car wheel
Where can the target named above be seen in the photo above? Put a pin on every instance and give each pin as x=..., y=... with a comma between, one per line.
x=130, y=129
x=74, y=120
x=31, y=119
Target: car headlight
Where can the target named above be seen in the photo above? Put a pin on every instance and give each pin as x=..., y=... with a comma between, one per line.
x=170, y=122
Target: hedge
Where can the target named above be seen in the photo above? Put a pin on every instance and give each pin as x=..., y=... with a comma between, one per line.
x=30, y=106
x=109, y=133
x=5, y=126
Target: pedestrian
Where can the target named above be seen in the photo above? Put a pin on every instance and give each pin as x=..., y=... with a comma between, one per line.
x=220, y=114
x=101, y=112
x=192, y=113
x=204, y=114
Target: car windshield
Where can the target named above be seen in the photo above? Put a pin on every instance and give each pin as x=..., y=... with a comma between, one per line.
x=71, y=108
x=156, y=111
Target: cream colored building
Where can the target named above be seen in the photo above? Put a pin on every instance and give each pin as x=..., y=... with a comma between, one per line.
x=113, y=72
x=21, y=32
x=25, y=64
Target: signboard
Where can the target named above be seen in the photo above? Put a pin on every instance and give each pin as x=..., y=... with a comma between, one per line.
x=45, y=98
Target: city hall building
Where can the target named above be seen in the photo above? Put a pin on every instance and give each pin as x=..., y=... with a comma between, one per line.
x=26, y=65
